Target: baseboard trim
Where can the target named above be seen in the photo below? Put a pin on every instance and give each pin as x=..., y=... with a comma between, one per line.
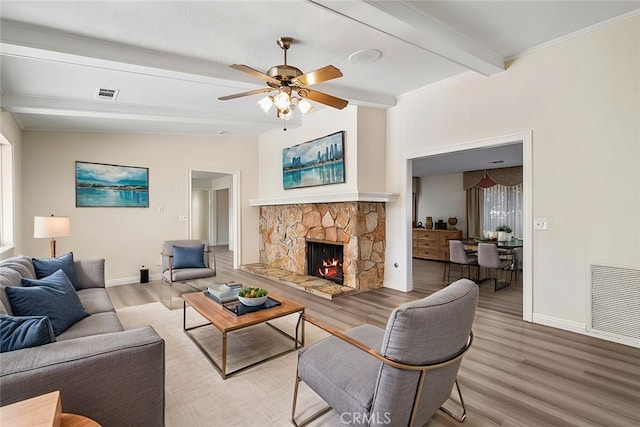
x=581, y=328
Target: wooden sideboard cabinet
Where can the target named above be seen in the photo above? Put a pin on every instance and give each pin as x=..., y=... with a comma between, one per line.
x=433, y=244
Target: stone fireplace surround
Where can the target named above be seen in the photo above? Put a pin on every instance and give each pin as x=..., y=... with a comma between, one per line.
x=358, y=225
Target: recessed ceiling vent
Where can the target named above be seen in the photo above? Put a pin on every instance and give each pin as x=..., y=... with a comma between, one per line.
x=108, y=94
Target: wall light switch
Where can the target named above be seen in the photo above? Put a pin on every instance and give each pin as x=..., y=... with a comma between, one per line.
x=540, y=224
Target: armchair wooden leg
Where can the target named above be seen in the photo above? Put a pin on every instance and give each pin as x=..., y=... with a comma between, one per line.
x=460, y=418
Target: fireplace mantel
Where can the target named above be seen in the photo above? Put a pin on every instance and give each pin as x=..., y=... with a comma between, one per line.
x=351, y=196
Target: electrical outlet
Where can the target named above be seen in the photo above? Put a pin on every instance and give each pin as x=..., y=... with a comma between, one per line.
x=540, y=224
x=182, y=218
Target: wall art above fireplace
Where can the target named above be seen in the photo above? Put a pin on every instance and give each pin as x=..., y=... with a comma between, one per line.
x=316, y=162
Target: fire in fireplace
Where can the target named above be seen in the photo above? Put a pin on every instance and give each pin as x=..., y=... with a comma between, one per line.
x=324, y=259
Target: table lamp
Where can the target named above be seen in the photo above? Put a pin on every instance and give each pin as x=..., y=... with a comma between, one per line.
x=50, y=227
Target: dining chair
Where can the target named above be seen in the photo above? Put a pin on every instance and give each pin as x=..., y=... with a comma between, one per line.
x=459, y=255
x=185, y=260
x=489, y=257
x=396, y=376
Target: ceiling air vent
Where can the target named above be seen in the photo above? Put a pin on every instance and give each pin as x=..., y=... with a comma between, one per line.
x=108, y=94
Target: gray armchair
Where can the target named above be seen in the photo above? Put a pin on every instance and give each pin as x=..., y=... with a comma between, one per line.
x=399, y=376
x=171, y=274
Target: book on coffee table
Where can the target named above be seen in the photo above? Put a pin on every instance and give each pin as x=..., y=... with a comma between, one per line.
x=223, y=292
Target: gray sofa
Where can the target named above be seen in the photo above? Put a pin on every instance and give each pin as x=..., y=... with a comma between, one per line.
x=113, y=376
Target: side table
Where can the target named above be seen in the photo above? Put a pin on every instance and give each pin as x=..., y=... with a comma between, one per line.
x=42, y=411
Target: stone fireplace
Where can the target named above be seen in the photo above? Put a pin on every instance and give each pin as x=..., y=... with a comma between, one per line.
x=358, y=227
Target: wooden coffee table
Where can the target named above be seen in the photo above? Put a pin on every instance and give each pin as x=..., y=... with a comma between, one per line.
x=226, y=322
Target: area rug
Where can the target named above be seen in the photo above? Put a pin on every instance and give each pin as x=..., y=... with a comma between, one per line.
x=196, y=395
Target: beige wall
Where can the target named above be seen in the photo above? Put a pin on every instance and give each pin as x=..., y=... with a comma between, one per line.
x=581, y=101
x=130, y=237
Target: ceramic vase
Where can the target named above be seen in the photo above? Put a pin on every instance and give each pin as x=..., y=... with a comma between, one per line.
x=428, y=223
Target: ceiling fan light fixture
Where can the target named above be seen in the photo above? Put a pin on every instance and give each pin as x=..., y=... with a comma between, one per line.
x=282, y=101
x=266, y=103
x=304, y=106
x=288, y=86
x=285, y=114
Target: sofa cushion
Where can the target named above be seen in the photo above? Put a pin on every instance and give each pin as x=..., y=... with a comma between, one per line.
x=53, y=296
x=188, y=257
x=96, y=324
x=24, y=332
x=46, y=266
x=12, y=270
x=95, y=300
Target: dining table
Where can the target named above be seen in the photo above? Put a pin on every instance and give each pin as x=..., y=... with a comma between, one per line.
x=507, y=248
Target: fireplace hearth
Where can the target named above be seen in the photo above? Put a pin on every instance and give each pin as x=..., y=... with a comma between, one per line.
x=325, y=260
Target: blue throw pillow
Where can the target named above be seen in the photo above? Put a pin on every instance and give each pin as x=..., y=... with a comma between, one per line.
x=188, y=257
x=53, y=296
x=46, y=266
x=24, y=332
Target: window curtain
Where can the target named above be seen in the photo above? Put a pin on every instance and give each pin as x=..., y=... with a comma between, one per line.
x=494, y=198
x=475, y=197
x=502, y=205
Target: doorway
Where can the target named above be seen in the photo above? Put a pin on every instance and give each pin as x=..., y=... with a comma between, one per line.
x=213, y=209
x=473, y=149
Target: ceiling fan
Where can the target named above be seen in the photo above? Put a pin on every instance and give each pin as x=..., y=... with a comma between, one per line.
x=286, y=82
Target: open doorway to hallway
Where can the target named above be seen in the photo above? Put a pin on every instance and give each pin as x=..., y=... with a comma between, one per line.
x=213, y=209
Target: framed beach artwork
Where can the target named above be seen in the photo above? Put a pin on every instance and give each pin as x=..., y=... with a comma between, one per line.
x=104, y=185
x=316, y=162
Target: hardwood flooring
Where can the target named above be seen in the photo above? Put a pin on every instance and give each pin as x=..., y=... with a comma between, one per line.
x=516, y=373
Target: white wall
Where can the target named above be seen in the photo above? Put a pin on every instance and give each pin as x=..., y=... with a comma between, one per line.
x=581, y=100
x=13, y=135
x=130, y=237
x=200, y=218
x=365, y=163
x=317, y=124
x=443, y=196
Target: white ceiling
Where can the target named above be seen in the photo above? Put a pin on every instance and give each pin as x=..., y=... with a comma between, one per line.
x=169, y=59
x=503, y=156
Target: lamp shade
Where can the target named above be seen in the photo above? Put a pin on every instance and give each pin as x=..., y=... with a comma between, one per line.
x=51, y=226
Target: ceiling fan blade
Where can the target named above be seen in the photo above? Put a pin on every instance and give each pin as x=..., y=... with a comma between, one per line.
x=240, y=95
x=255, y=73
x=318, y=76
x=323, y=98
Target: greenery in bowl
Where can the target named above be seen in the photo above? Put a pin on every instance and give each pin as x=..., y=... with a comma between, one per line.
x=252, y=296
x=252, y=292
x=504, y=228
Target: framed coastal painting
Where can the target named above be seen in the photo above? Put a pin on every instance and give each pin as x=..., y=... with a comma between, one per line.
x=104, y=185
x=316, y=162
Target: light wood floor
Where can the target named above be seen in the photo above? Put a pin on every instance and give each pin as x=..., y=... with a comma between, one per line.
x=516, y=373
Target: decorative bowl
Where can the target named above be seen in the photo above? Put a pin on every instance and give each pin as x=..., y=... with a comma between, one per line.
x=252, y=302
x=252, y=296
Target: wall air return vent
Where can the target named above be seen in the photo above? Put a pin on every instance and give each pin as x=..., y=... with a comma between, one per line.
x=108, y=94
x=615, y=301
